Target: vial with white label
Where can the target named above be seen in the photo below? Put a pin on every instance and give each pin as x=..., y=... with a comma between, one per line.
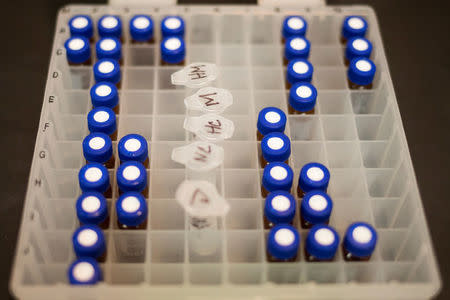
x=302, y=99
x=94, y=177
x=84, y=271
x=132, y=177
x=321, y=243
x=298, y=70
x=97, y=147
x=361, y=72
x=357, y=47
x=172, y=26
x=103, y=119
x=110, y=26
x=105, y=94
x=359, y=242
x=173, y=51
x=133, y=147
x=275, y=146
x=107, y=70
x=353, y=26
x=92, y=209
x=296, y=47
x=109, y=47
x=141, y=29
x=276, y=176
x=270, y=119
x=78, y=51
x=89, y=241
x=81, y=25
x=293, y=26
x=283, y=242
x=313, y=176
x=279, y=208
x=131, y=210
x=315, y=208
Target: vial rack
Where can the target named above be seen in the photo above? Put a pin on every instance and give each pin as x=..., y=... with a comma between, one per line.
x=357, y=134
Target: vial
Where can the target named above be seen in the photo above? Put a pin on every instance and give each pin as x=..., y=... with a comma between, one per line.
x=103, y=119
x=283, y=242
x=105, y=94
x=296, y=47
x=321, y=243
x=92, y=209
x=132, y=177
x=279, y=208
x=141, y=29
x=298, y=70
x=172, y=26
x=131, y=210
x=293, y=26
x=270, y=119
x=361, y=72
x=276, y=176
x=302, y=99
x=110, y=26
x=107, y=70
x=353, y=26
x=97, y=147
x=81, y=25
x=315, y=208
x=78, y=51
x=313, y=176
x=133, y=147
x=359, y=242
x=275, y=146
x=84, y=271
x=89, y=241
x=94, y=177
x=357, y=47
x=173, y=51
x=109, y=47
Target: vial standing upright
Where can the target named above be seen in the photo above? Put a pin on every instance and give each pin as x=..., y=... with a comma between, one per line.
x=270, y=119
x=103, y=120
x=94, y=177
x=276, y=176
x=279, y=208
x=92, y=209
x=357, y=47
x=132, y=177
x=361, y=73
x=283, y=242
x=353, y=26
x=293, y=26
x=84, y=271
x=298, y=70
x=105, y=94
x=315, y=208
x=110, y=26
x=141, y=29
x=131, y=210
x=359, y=242
x=173, y=51
x=296, y=48
x=275, y=146
x=313, y=176
x=133, y=147
x=78, y=51
x=302, y=98
x=321, y=244
x=97, y=147
x=89, y=241
x=108, y=70
x=81, y=25
x=109, y=47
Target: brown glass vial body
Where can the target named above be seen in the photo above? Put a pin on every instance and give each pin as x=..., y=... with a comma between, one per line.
x=103, y=225
x=310, y=258
x=307, y=225
x=269, y=225
x=292, y=111
x=349, y=257
x=354, y=86
x=85, y=63
x=301, y=193
x=264, y=163
x=259, y=135
x=270, y=258
x=144, y=192
x=141, y=226
x=164, y=63
x=140, y=43
x=108, y=164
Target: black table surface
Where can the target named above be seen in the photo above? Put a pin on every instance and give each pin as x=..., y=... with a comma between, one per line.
x=416, y=39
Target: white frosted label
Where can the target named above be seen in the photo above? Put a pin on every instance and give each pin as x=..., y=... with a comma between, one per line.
x=210, y=127
x=195, y=75
x=209, y=100
x=200, y=156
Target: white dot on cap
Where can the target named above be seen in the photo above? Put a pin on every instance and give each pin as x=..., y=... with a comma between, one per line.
x=106, y=67
x=295, y=23
x=108, y=44
x=141, y=23
x=131, y=204
x=324, y=236
x=278, y=173
x=110, y=22
x=83, y=271
x=132, y=145
x=280, y=203
x=272, y=117
x=93, y=174
x=300, y=67
x=131, y=173
x=360, y=45
x=103, y=90
x=318, y=203
x=363, y=65
x=298, y=44
x=172, y=43
x=97, y=143
x=76, y=44
x=315, y=174
x=90, y=204
x=172, y=23
x=87, y=237
x=284, y=237
x=303, y=91
x=355, y=23
x=80, y=22
x=101, y=116
x=362, y=234
x=275, y=143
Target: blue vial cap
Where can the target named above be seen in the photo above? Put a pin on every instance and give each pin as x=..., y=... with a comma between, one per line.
x=88, y=241
x=294, y=26
x=97, y=147
x=104, y=94
x=81, y=25
x=93, y=177
x=283, y=242
x=316, y=207
x=107, y=70
x=322, y=242
x=358, y=47
x=354, y=26
x=172, y=26
x=109, y=26
x=91, y=208
x=314, y=176
x=279, y=207
x=173, y=50
x=84, y=271
x=271, y=119
x=361, y=71
x=133, y=147
x=109, y=47
x=78, y=49
x=277, y=176
x=302, y=96
x=299, y=70
x=102, y=119
x=275, y=146
x=296, y=47
x=141, y=28
x=131, y=177
x=131, y=209
x=360, y=239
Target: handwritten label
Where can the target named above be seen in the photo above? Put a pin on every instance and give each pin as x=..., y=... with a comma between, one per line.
x=202, y=156
x=195, y=75
x=209, y=100
x=210, y=127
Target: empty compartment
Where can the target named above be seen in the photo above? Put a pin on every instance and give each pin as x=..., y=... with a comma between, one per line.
x=55, y=213
x=374, y=154
x=384, y=211
x=67, y=127
x=126, y=274
x=400, y=181
x=398, y=271
x=265, y=55
x=284, y=273
x=375, y=127
x=139, y=78
x=240, y=155
x=338, y=128
x=166, y=214
x=80, y=78
x=379, y=181
x=73, y=102
x=245, y=246
x=205, y=274
x=270, y=98
x=265, y=78
x=349, y=210
x=136, y=103
x=241, y=183
x=166, y=274
x=343, y=154
x=163, y=80
x=136, y=124
x=127, y=247
x=326, y=56
x=201, y=29
x=232, y=56
x=306, y=152
x=170, y=103
x=164, y=183
x=140, y=55
x=244, y=128
x=169, y=128
x=305, y=128
x=243, y=273
x=363, y=272
x=330, y=78
x=62, y=183
x=369, y=102
x=262, y=29
x=324, y=30
x=51, y=246
x=324, y=272
x=230, y=31
x=241, y=103
x=161, y=155
x=392, y=241
x=44, y=274
x=234, y=78
x=63, y=155
x=205, y=246
x=407, y=211
x=347, y=183
x=244, y=214
x=167, y=247
x=334, y=103
x=201, y=54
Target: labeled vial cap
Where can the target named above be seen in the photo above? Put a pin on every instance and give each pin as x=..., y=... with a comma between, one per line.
x=78, y=49
x=109, y=47
x=316, y=207
x=84, y=271
x=141, y=28
x=271, y=119
x=93, y=177
x=209, y=100
x=276, y=146
x=294, y=26
x=131, y=209
x=279, y=207
x=104, y=94
x=81, y=25
x=97, y=147
x=277, y=176
x=283, y=242
x=210, y=127
x=322, y=242
x=110, y=26
x=91, y=208
x=314, y=176
x=107, y=70
x=296, y=47
x=199, y=156
x=133, y=147
x=303, y=96
x=173, y=50
x=172, y=26
x=354, y=26
x=358, y=47
x=361, y=71
x=360, y=239
x=195, y=75
x=131, y=177
x=88, y=241
x=103, y=120
x=299, y=70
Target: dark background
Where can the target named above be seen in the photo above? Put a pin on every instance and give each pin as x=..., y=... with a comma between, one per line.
x=416, y=39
